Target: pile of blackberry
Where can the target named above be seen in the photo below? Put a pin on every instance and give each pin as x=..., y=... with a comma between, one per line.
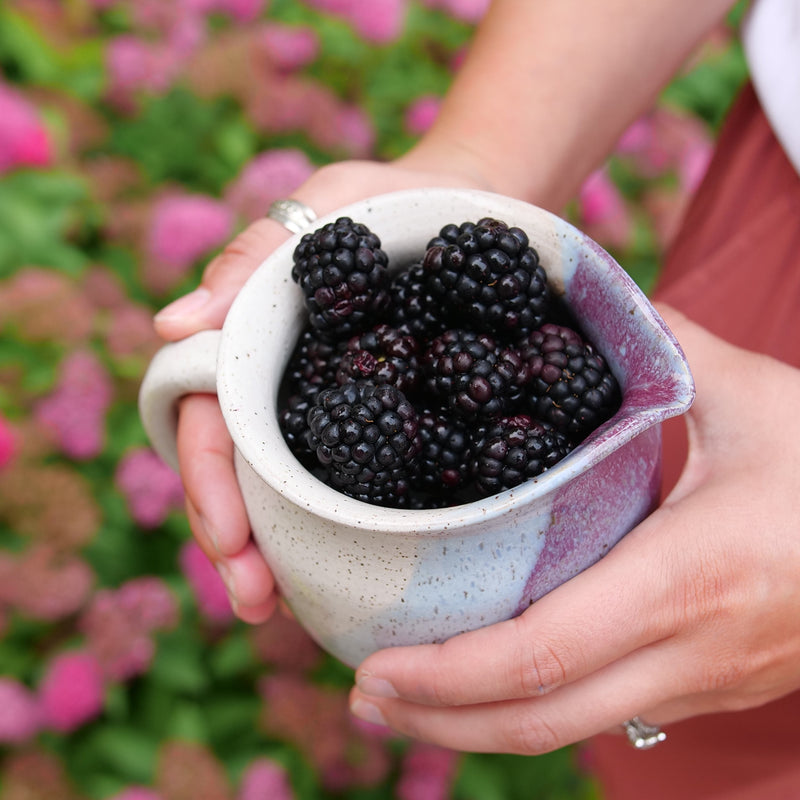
x=439, y=382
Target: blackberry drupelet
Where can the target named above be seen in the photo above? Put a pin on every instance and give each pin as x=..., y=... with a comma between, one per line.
x=571, y=385
x=444, y=463
x=472, y=375
x=367, y=436
x=513, y=450
x=488, y=278
x=412, y=307
x=341, y=269
x=382, y=355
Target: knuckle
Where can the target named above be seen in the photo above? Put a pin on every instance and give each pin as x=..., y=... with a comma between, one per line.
x=537, y=667
x=529, y=734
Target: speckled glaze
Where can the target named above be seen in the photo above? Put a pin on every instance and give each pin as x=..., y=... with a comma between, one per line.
x=361, y=577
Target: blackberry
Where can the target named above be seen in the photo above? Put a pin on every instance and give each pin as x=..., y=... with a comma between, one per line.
x=487, y=276
x=382, y=355
x=311, y=367
x=444, y=461
x=571, y=385
x=341, y=269
x=474, y=376
x=413, y=309
x=367, y=436
x=513, y=450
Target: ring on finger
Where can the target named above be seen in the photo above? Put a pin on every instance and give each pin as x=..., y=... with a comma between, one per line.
x=641, y=735
x=292, y=214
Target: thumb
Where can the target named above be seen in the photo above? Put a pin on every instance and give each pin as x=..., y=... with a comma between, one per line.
x=207, y=306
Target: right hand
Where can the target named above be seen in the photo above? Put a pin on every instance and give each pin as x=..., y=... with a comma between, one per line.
x=214, y=505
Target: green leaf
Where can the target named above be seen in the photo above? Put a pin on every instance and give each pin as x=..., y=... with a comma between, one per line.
x=128, y=751
x=178, y=664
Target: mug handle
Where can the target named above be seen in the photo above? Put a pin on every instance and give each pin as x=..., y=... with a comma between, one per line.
x=188, y=366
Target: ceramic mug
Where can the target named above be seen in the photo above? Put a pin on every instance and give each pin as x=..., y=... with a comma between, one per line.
x=360, y=577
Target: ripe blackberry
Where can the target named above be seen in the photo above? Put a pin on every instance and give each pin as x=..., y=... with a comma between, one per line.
x=571, y=385
x=382, y=355
x=413, y=309
x=515, y=449
x=487, y=276
x=341, y=269
x=311, y=367
x=367, y=435
x=444, y=461
x=472, y=375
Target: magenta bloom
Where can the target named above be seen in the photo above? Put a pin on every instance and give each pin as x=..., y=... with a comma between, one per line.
x=24, y=141
x=470, y=11
x=378, y=21
x=151, y=488
x=75, y=412
x=71, y=692
x=20, y=715
x=118, y=625
x=136, y=793
x=421, y=114
x=241, y=10
x=263, y=779
x=8, y=443
x=427, y=772
x=603, y=211
x=289, y=48
x=185, y=227
x=209, y=590
x=268, y=177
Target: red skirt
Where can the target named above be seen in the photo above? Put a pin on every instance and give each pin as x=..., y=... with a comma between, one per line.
x=735, y=269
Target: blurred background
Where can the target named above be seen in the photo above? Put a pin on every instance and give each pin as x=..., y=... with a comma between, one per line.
x=136, y=138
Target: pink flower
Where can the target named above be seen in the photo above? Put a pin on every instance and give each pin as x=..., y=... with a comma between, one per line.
x=24, y=141
x=378, y=21
x=71, y=692
x=269, y=176
x=20, y=715
x=151, y=488
x=342, y=127
x=427, y=773
x=241, y=10
x=183, y=228
x=209, y=590
x=62, y=582
x=118, y=625
x=265, y=779
x=289, y=48
x=602, y=210
x=136, y=793
x=75, y=412
x=421, y=114
x=470, y=11
x=8, y=442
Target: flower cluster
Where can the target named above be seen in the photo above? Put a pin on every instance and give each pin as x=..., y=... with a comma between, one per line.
x=137, y=137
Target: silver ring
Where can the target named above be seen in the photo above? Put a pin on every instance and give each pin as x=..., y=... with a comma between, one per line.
x=641, y=735
x=292, y=214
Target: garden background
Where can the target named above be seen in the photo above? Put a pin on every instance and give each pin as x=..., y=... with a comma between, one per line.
x=136, y=138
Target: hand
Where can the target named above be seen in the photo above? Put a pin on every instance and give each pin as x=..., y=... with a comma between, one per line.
x=214, y=505
x=696, y=611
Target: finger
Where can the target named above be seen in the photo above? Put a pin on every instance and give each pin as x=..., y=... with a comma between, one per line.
x=611, y=609
x=207, y=306
x=205, y=456
x=599, y=702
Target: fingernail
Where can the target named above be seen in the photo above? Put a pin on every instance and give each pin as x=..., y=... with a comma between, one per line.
x=210, y=531
x=227, y=579
x=185, y=305
x=377, y=687
x=366, y=711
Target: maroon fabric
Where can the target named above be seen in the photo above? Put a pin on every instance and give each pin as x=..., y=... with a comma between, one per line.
x=735, y=269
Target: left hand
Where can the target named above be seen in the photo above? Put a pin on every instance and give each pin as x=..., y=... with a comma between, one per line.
x=695, y=611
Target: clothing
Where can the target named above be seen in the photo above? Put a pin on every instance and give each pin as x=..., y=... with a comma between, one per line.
x=735, y=269
x=771, y=41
